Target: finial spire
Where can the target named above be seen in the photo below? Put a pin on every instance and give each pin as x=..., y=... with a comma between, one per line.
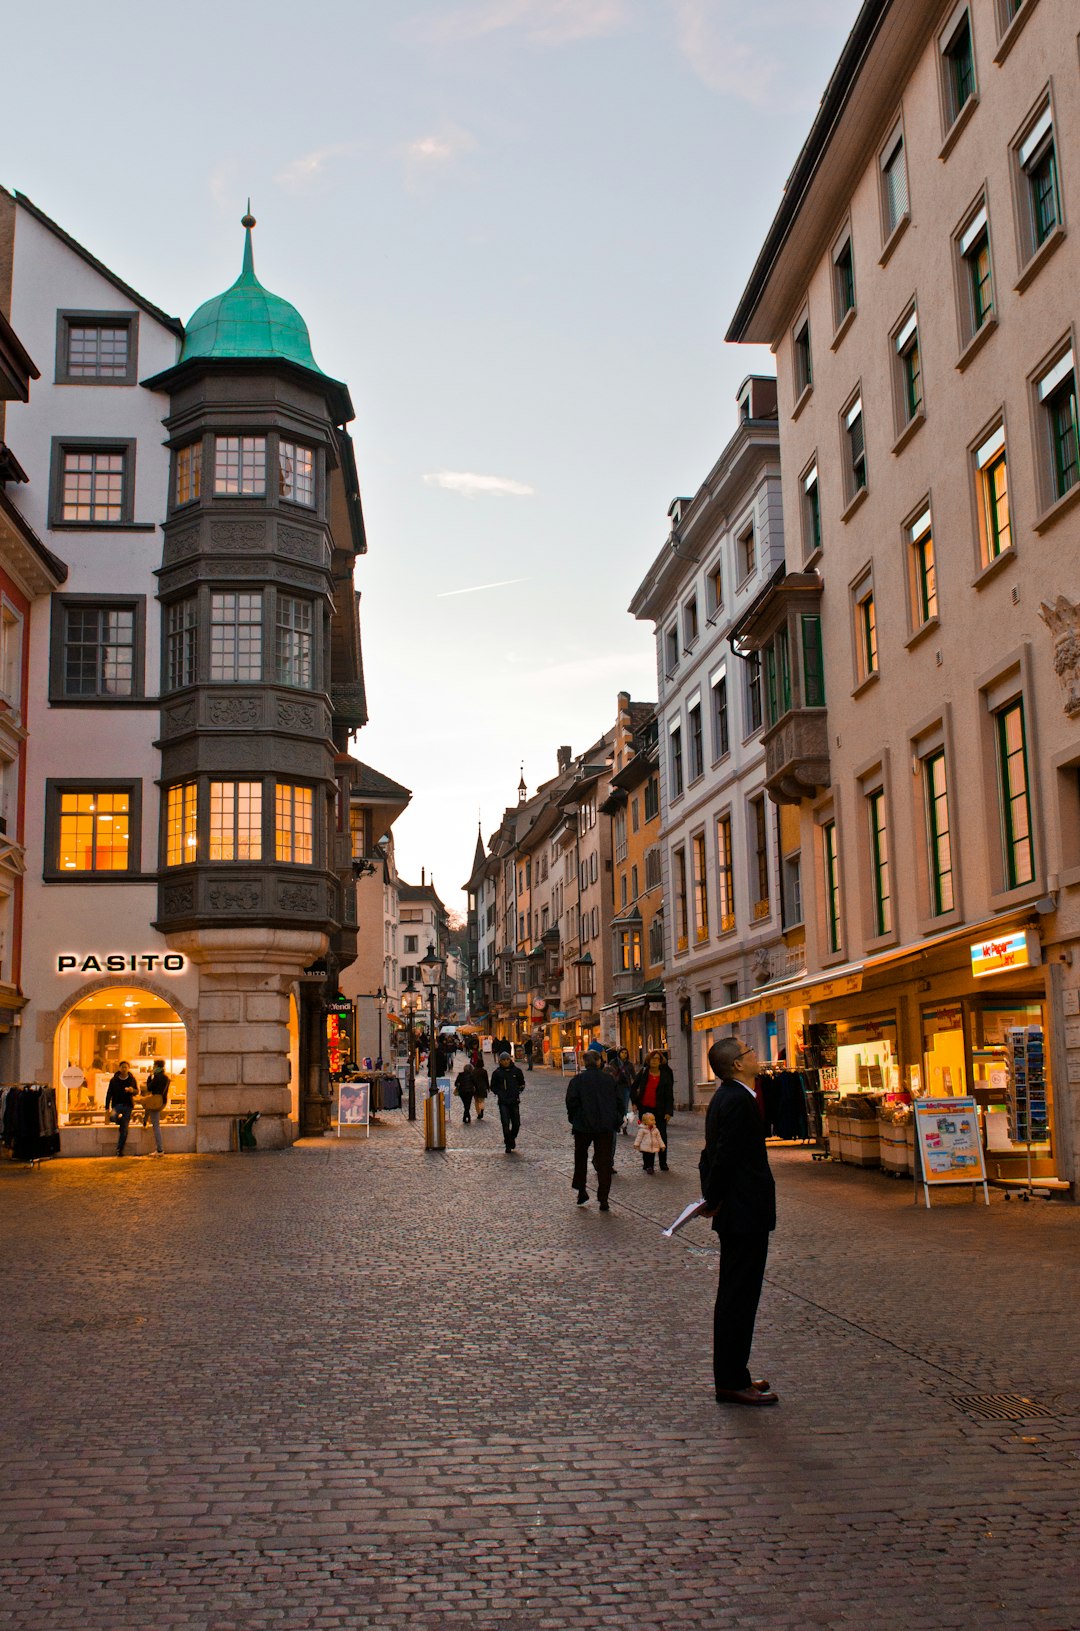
x=247, y=221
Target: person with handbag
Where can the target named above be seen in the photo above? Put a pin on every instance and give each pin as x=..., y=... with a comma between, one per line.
x=120, y=1101
x=155, y=1097
x=654, y=1090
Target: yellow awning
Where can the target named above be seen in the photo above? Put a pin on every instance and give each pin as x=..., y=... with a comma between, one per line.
x=838, y=982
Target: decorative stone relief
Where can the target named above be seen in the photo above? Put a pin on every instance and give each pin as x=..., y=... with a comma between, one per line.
x=180, y=717
x=297, y=716
x=232, y=753
x=238, y=535
x=177, y=899
x=179, y=544
x=1063, y=621
x=234, y=897
x=298, y=897
x=300, y=545
x=240, y=711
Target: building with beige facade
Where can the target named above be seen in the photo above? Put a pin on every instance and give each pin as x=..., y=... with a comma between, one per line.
x=919, y=289
x=636, y=1013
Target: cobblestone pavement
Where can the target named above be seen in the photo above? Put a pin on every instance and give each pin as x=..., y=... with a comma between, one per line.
x=356, y=1384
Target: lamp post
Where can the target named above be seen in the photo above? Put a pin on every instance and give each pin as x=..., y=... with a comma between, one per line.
x=380, y=1004
x=411, y=1001
x=431, y=973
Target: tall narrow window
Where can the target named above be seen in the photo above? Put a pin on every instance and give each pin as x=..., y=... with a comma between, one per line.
x=296, y=473
x=1015, y=795
x=923, y=570
x=994, y=523
x=894, y=185
x=690, y=622
x=938, y=831
x=294, y=634
x=831, y=860
x=759, y=829
x=974, y=248
x=240, y=466
x=843, y=281
x=813, y=664
x=180, y=644
x=1037, y=157
x=188, y=473
x=181, y=804
x=701, y=897
x=879, y=863
x=856, y=449
x=746, y=552
x=753, y=692
x=725, y=874
x=235, y=821
x=676, y=762
x=866, y=647
x=714, y=585
x=1057, y=397
x=909, y=363
x=697, y=747
x=958, y=64
x=682, y=927
x=236, y=636
x=804, y=366
x=721, y=724
x=294, y=828
x=811, y=512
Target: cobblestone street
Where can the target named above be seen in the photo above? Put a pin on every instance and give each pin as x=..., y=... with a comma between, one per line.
x=361, y=1385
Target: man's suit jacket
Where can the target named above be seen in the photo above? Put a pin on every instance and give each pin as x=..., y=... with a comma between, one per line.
x=734, y=1165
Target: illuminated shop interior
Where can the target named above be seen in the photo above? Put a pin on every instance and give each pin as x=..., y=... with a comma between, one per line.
x=120, y=1023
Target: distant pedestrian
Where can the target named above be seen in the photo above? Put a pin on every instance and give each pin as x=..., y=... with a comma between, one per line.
x=480, y=1086
x=648, y=1139
x=654, y=1090
x=120, y=1101
x=528, y=1052
x=508, y=1084
x=740, y=1197
x=465, y=1088
x=593, y=1110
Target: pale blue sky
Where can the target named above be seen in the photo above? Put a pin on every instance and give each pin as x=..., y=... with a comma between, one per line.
x=517, y=229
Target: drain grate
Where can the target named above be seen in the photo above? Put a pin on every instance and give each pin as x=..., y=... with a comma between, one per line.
x=1002, y=1407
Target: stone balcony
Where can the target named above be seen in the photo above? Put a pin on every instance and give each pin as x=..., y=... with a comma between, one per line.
x=630, y=983
x=797, y=755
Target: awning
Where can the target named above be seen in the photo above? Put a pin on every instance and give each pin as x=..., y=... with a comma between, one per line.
x=769, y=999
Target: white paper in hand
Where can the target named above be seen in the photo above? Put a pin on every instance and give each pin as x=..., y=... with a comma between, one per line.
x=694, y=1210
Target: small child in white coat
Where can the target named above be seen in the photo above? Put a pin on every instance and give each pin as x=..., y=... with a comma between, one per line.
x=649, y=1140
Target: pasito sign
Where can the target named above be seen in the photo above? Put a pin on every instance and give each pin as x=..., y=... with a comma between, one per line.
x=120, y=962
x=1004, y=952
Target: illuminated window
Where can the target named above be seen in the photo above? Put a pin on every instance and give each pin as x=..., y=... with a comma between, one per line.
x=725, y=873
x=937, y=826
x=759, y=833
x=995, y=529
x=879, y=862
x=94, y=831
x=682, y=928
x=294, y=824
x=188, y=473
x=240, y=466
x=831, y=866
x=296, y=473
x=1015, y=795
x=180, y=824
x=236, y=636
x=235, y=821
x=923, y=570
x=701, y=896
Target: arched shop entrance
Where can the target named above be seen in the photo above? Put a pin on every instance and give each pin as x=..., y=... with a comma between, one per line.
x=114, y=1023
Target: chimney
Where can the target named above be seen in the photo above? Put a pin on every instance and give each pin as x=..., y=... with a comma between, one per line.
x=563, y=757
x=423, y=876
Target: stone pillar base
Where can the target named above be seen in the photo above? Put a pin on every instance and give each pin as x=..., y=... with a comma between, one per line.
x=242, y=1063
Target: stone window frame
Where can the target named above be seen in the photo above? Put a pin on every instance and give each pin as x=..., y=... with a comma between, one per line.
x=68, y=318
x=866, y=664
x=1011, y=678
x=826, y=814
x=892, y=230
x=927, y=738
x=872, y=780
x=1039, y=123
x=1060, y=358
x=55, y=786
x=124, y=445
x=973, y=226
x=905, y=339
x=810, y=479
x=982, y=457
x=955, y=114
x=917, y=525
x=854, y=492
x=802, y=360
x=843, y=315
x=59, y=606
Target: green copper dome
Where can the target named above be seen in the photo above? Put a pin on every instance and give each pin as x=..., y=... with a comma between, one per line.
x=248, y=321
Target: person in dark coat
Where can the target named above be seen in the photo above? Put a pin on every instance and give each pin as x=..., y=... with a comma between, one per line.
x=594, y=1111
x=528, y=1052
x=465, y=1087
x=654, y=1090
x=120, y=1098
x=480, y=1084
x=740, y=1196
x=508, y=1084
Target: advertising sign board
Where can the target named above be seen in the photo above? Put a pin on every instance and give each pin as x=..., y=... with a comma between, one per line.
x=947, y=1144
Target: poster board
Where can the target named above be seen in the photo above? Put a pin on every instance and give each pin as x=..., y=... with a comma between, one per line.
x=948, y=1149
x=354, y=1106
x=570, y=1061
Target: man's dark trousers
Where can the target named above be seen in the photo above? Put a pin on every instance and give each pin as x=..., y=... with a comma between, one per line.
x=510, y=1116
x=603, y=1156
x=742, y=1270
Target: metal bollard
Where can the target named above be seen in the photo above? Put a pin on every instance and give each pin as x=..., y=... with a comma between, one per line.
x=435, y=1122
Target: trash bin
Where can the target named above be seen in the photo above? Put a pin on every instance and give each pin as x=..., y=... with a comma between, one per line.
x=435, y=1122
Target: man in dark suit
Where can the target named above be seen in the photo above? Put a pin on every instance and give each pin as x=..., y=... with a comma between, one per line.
x=594, y=1111
x=740, y=1197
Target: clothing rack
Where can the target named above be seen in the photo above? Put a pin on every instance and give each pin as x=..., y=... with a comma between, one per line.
x=29, y=1126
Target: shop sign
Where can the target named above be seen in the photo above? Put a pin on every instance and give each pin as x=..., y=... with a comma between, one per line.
x=120, y=962
x=1005, y=952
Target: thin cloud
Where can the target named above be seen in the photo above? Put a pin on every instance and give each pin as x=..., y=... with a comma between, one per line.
x=474, y=589
x=717, y=38
x=304, y=171
x=470, y=485
x=447, y=145
x=636, y=665
x=544, y=22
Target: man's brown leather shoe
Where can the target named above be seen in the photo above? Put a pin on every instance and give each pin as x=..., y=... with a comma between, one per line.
x=745, y=1395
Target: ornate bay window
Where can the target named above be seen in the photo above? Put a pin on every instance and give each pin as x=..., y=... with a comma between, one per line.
x=782, y=630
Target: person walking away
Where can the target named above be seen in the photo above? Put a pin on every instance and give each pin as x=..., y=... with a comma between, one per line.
x=120, y=1101
x=465, y=1087
x=480, y=1084
x=155, y=1098
x=593, y=1111
x=528, y=1052
x=619, y=1068
x=654, y=1090
x=508, y=1084
x=648, y=1139
x=737, y=1187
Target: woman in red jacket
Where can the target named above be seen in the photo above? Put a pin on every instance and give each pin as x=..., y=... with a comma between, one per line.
x=654, y=1091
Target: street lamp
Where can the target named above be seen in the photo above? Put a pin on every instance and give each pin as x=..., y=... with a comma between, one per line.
x=380, y=1004
x=411, y=1001
x=431, y=968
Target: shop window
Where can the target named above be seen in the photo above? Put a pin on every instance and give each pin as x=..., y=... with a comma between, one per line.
x=992, y=476
x=831, y=870
x=97, y=348
x=91, y=830
x=944, y=1051
x=721, y=723
x=1008, y=1039
x=188, y=483
x=1035, y=168
x=294, y=824
x=811, y=512
x=181, y=824
x=725, y=873
x=236, y=636
x=96, y=648
x=240, y=466
x=296, y=474
x=121, y=1023
x=235, y=821
x=701, y=896
x=939, y=833
x=293, y=642
x=682, y=925
x=922, y=570
x=1015, y=795
x=880, y=872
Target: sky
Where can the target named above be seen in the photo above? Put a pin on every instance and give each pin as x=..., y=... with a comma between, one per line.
x=518, y=230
